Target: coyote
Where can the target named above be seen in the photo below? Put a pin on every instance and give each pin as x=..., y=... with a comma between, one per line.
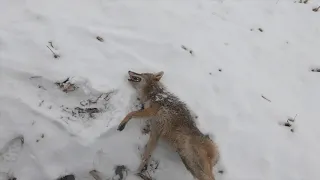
x=171, y=121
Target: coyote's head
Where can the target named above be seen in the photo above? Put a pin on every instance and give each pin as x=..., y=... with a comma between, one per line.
x=141, y=81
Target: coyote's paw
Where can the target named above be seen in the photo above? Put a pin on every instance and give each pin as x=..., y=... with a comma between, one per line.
x=121, y=126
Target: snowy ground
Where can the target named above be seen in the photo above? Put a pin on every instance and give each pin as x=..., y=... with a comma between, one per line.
x=243, y=66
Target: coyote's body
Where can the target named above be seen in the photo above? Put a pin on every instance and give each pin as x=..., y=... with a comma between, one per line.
x=172, y=122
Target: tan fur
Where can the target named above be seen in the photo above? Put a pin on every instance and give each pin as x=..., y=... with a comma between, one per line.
x=172, y=122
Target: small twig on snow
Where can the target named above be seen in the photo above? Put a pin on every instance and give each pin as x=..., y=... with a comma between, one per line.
x=100, y=39
x=54, y=54
x=316, y=9
x=41, y=87
x=40, y=104
x=35, y=77
x=265, y=98
x=95, y=101
x=292, y=120
x=185, y=48
x=50, y=42
x=95, y=175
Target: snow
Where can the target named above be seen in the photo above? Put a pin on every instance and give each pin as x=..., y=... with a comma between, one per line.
x=147, y=36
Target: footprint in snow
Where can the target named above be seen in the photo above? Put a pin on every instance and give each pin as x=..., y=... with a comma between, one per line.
x=9, y=155
x=11, y=150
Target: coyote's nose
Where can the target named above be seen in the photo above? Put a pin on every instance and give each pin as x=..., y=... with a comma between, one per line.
x=131, y=73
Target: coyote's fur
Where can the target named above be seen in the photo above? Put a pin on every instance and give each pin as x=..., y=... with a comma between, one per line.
x=172, y=122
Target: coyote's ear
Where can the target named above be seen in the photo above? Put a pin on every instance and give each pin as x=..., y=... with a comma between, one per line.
x=158, y=76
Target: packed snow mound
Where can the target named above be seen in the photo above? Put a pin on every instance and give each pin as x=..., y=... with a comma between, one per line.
x=249, y=70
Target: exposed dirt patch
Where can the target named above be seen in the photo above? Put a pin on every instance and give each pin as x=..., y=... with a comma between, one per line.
x=66, y=86
x=88, y=109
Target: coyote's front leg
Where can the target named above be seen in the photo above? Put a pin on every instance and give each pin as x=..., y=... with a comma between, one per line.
x=147, y=112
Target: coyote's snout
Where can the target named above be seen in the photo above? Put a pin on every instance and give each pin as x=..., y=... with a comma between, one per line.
x=172, y=121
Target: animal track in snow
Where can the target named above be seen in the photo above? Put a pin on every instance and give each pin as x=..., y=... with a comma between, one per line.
x=9, y=155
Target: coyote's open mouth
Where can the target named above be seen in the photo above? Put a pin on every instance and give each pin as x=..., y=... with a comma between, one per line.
x=133, y=77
